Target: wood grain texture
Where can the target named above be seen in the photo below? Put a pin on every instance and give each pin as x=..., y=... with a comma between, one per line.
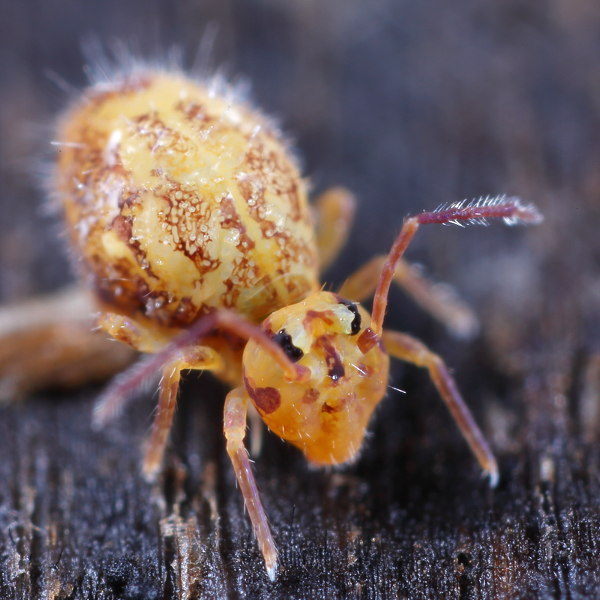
x=409, y=105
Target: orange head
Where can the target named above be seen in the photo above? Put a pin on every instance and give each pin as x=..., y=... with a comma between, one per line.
x=326, y=414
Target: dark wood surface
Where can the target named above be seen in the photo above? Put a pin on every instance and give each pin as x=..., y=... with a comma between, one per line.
x=410, y=105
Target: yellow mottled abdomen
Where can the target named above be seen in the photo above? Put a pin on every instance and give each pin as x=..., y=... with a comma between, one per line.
x=181, y=200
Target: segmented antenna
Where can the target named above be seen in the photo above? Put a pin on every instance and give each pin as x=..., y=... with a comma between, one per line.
x=511, y=210
x=516, y=213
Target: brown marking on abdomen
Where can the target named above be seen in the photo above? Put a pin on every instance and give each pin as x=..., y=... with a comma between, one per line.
x=232, y=220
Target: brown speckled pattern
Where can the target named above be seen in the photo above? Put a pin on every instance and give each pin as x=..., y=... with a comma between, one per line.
x=180, y=200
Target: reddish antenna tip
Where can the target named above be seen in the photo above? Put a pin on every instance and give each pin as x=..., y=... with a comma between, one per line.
x=526, y=214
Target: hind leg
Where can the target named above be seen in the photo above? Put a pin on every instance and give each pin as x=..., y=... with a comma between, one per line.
x=334, y=210
x=51, y=342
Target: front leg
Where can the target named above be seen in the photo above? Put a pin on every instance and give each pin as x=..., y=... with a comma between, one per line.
x=234, y=427
x=407, y=348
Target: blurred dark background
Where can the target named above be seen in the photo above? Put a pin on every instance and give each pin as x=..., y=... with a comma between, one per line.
x=408, y=104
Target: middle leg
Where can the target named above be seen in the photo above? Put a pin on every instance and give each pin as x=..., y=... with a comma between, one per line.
x=438, y=300
x=195, y=358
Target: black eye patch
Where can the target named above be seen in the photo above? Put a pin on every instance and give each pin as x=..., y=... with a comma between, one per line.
x=356, y=322
x=284, y=339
